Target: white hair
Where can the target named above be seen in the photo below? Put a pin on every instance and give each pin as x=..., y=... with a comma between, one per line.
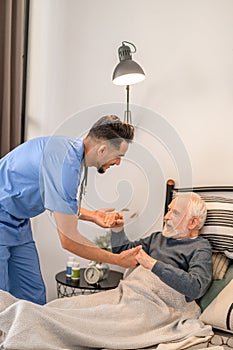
x=196, y=206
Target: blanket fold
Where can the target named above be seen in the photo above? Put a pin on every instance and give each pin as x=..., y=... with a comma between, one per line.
x=141, y=312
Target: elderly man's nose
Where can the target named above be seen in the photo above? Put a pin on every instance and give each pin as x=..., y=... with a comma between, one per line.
x=167, y=216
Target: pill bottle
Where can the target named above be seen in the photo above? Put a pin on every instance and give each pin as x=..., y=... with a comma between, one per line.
x=69, y=266
x=75, y=271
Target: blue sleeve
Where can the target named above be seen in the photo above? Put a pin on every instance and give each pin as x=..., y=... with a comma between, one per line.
x=192, y=283
x=60, y=176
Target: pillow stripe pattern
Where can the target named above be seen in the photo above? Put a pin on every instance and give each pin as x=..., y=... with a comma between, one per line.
x=218, y=228
x=220, y=265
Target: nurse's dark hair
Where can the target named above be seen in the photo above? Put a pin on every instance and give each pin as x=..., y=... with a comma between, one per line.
x=111, y=128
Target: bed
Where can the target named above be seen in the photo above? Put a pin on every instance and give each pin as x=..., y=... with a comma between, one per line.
x=64, y=323
x=217, y=303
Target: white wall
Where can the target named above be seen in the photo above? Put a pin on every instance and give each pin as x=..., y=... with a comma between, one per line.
x=185, y=47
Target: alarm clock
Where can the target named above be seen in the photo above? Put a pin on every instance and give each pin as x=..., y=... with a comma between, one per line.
x=96, y=272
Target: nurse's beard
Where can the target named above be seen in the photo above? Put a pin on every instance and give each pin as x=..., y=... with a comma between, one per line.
x=101, y=170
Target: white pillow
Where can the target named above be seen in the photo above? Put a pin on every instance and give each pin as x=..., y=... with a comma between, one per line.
x=219, y=313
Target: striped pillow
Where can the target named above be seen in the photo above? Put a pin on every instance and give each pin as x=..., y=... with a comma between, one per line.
x=218, y=228
x=220, y=265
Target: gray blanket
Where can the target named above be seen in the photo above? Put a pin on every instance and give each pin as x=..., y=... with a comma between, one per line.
x=141, y=312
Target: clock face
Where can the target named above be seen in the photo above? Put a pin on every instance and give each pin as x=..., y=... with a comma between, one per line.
x=92, y=275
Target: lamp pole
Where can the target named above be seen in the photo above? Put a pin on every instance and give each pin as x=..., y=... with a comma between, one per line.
x=127, y=116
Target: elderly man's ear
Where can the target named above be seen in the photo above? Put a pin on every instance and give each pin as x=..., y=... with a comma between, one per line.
x=193, y=223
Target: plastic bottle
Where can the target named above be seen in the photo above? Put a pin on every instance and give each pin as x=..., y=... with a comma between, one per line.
x=75, y=271
x=69, y=266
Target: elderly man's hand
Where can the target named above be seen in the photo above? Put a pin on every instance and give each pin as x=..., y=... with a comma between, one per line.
x=127, y=258
x=145, y=260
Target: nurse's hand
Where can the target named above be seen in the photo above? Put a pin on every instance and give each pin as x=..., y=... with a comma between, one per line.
x=108, y=218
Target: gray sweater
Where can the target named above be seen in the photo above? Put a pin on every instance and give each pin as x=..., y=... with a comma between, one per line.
x=185, y=265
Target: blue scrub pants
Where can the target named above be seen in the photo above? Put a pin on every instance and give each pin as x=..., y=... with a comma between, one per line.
x=20, y=272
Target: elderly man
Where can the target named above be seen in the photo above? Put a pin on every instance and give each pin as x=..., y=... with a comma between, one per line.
x=152, y=305
x=178, y=256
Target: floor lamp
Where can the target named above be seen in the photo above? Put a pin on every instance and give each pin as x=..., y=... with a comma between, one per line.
x=127, y=72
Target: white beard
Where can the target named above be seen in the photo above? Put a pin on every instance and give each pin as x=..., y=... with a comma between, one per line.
x=170, y=232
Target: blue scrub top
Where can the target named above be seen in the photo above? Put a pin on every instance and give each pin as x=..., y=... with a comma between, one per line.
x=42, y=173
